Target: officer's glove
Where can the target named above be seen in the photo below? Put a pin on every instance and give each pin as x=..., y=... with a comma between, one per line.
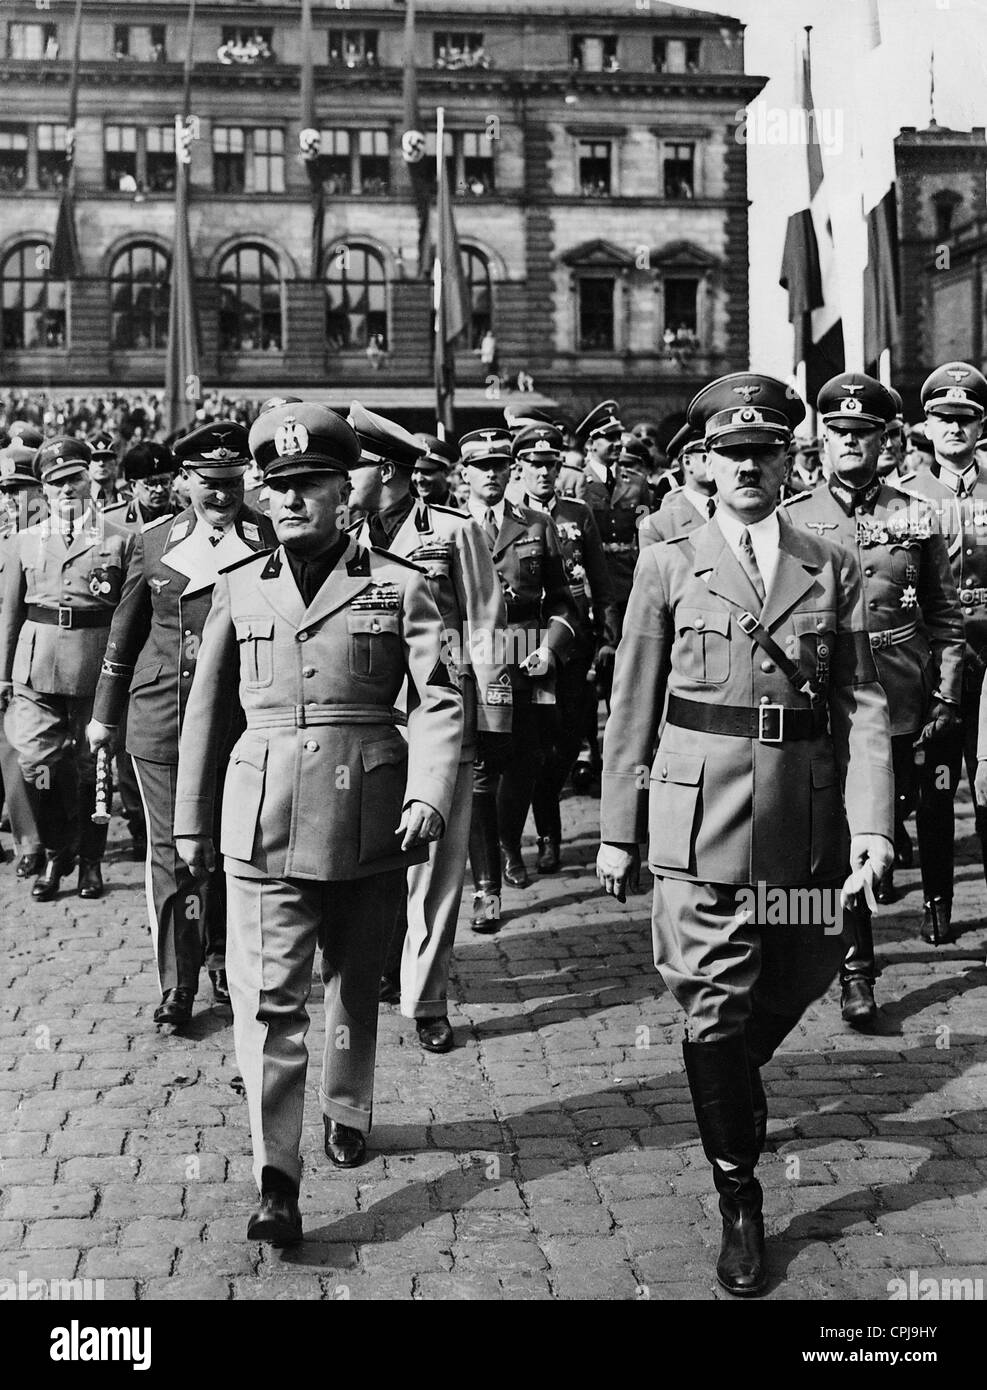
x=618, y=867
x=539, y=664
x=101, y=736
x=6, y=694
x=943, y=719
x=980, y=784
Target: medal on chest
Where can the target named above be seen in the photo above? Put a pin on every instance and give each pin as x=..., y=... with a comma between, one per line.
x=99, y=583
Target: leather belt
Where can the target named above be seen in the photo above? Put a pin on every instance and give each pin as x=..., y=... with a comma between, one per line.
x=618, y=547
x=304, y=716
x=968, y=597
x=892, y=636
x=70, y=617
x=766, y=723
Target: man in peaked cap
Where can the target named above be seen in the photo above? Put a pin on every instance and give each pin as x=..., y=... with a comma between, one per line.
x=146, y=679
x=325, y=805
x=62, y=581
x=912, y=617
x=688, y=506
x=891, y=460
x=745, y=788
x=103, y=469
x=430, y=475
x=954, y=397
x=806, y=471
x=464, y=584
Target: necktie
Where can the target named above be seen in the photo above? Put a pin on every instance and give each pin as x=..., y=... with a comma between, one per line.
x=711, y=506
x=490, y=528
x=748, y=561
x=69, y=530
x=611, y=481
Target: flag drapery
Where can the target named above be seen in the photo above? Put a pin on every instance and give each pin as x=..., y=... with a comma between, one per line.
x=183, y=387
x=450, y=292
x=881, y=286
x=310, y=141
x=66, y=263
x=808, y=269
x=413, y=140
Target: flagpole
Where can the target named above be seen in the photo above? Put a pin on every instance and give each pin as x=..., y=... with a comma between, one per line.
x=437, y=299
x=183, y=387
x=65, y=263
x=884, y=367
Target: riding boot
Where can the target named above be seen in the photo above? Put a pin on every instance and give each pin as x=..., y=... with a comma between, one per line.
x=858, y=971
x=765, y=1032
x=484, y=852
x=513, y=800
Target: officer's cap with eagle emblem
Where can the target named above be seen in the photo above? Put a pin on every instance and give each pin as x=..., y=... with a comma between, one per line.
x=852, y=398
x=303, y=437
x=538, y=444
x=685, y=441
x=62, y=458
x=955, y=389
x=440, y=454
x=18, y=466
x=634, y=453
x=488, y=448
x=746, y=408
x=27, y=433
x=218, y=450
x=383, y=441
x=102, y=446
x=148, y=459
x=273, y=402
x=520, y=417
x=603, y=419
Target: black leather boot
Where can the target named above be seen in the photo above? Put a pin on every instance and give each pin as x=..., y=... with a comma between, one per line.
x=92, y=847
x=549, y=856
x=58, y=863
x=937, y=927
x=90, y=879
x=858, y=970
x=484, y=850
x=719, y=1079
x=765, y=1033
x=513, y=800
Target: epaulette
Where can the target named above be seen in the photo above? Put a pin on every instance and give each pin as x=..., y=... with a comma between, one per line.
x=449, y=511
x=158, y=521
x=796, y=497
x=248, y=559
x=397, y=559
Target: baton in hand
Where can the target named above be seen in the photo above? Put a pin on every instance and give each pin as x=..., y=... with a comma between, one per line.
x=104, y=788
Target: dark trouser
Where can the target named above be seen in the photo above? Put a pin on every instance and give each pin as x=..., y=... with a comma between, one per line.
x=49, y=733
x=561, y=735
x=188, y=920
x=502, y=782
x=938, y=778
x=126, y=780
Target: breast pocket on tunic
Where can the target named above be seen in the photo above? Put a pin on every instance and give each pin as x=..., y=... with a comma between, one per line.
x=106, y=576
x=905, y=563
x=702, y=649
x=812, y=644
x=255, y=640
x=375, y=645
x=529, y=555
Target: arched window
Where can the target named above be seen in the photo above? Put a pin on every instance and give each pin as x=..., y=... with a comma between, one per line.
x=250, y=318
x=33, y=306
x=356, y=298
x=139, y=292
x=476, y=273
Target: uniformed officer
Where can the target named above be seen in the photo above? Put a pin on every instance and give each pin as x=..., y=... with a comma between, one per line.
x=747, y=626
x=540, y=450
x=21, y=504
x=151, y=657
x=325, y=804
x=452, y=551
x=103, y=470
x=62, y=583
x=541, y=625
x=686, y=507
x=806, y=472
x=955, y=400
x=430, y=476
x=913, y=620
x=891, y=464
x=256, y=496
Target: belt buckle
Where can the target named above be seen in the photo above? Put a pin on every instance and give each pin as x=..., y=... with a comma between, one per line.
x=763, y=710
x=64, y=616
x=879, y=640
x=966, y=596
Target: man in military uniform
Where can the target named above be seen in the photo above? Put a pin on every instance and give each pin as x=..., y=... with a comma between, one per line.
x=540, y=450
x=449, y=547
x=325, y=804
x=955, y=400
x=747, y=626
x=806, y=472
x=430, y=477
x=144, y=686
x=62, y=582
x=103, y=470
x=541, y=625
x=686, y=507
x=891, y=466
x=911, y=614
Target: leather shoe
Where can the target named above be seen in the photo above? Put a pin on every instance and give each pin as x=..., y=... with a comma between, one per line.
x=30, y=864
x=937, y=927
x=345, y=1147
x=740, y=1268
x=175, y=1006
x=276, y=1220
x=48, y=882
x=90, y=879
x=515, y=872
x=857, y=1002
x=549, y=856
x=435, y=1034
x=389, y=990
x=486, y=913
x=220, y=988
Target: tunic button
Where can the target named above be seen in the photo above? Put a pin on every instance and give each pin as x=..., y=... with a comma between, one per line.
x=375, y=626
x=308, y=671
x=303, y=637
x=187, y=632
x=310, y=745
x=700, y=622
x=868, y=572
x=767, y=666
x=186, y=674
x=968, y=612
x=873, y=603
x=664, y=772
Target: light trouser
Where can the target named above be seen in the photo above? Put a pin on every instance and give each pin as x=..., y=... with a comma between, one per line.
x=20, y=808
x=274, y=926
x=49, y=733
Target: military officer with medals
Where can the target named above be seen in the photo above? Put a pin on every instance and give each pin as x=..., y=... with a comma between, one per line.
x=325, y=805
x=954, y=397
x=686, y=507
x=760, y=734
x=452, y=551
x=146, y=679
x=62, y=582
x=912, y=616
x=541, y=626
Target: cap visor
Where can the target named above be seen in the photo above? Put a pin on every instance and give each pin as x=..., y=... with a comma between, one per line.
x=749, y=434
x=59, y=473
x=294, y=468
x=225, y=474
x=866, y=422
x=955, y=410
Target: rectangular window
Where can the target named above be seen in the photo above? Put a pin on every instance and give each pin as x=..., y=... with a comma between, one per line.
x=459, y=49
x=13, y=158
x=594, y=52
x=478, y=164
x=246, y=43
x=680, y=55
x=353, y=48
x=51, y=156
x=337, y=169
x=594, y=168
x=229, y=160
x=120, y=155
x=32, y=41
x=161, y=158
x=681, y=301
x=596, y=321
x=268, y=160
x=692, y=54
x=659, y=55
x=678, y=171
x=142, y=43
x=375, y=162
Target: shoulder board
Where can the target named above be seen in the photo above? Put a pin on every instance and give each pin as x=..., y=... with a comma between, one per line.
x=796, y=497
x=448, y=511
x=576, y=502
x=397, y=559
x=681, y=537
x=354, y=526
x=248, y=560
x=905, y=478
x=673, y=489
x=158, y=521
x=116, y=507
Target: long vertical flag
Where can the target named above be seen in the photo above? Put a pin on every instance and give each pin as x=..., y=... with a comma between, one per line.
x=808, y=269
x=183, y=385
x=66, y=263
x=451, y=297
x=310, y=141
x=413, y=140
x=879, y=206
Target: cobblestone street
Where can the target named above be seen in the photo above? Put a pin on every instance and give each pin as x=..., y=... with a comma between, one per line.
x=553, y=1154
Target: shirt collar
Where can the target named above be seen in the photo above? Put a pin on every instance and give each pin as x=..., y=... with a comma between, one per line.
x=851, y=499
x=537, y=506
x=954, y=480
x=767, y=529
x=699, y=500
x=479, y=510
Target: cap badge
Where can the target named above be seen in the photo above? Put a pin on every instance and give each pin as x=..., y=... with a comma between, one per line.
x=290, y=437
x=853, y=406
x=747, y=416
x=542, y=446
x=958, y=373
x=748, y=392
x=957, y=393
x=851, y=389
